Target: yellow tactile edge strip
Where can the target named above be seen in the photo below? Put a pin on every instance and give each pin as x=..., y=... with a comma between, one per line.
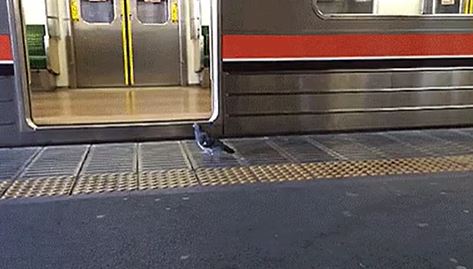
x=183, y=178
x=39, y=187
x=167, y=179
x=101, y=183
x=4, y=186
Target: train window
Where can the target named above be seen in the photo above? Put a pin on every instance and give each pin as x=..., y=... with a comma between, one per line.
x=97, y=11
x=153, y=11
x=451, y=6
x=344, y=6
x=394, y=8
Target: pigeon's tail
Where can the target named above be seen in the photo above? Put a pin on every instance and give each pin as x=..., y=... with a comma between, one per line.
x=224, y=147
x=228, y=149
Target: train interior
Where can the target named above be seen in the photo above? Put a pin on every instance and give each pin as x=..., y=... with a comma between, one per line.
x=117, y=61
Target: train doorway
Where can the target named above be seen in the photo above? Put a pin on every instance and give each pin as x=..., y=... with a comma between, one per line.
x=117, y=61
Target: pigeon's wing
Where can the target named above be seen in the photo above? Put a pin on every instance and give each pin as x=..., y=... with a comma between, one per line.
x=207, y=140
x=202, y=137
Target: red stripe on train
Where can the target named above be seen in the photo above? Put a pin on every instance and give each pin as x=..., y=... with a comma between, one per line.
x=5, y=48
x=345, y=45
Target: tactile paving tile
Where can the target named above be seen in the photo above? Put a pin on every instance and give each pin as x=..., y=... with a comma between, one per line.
x=429, y=144
x=281, y=172
x=3, y=186
x=385, y=167
x=343, y=146
x=436, y=165
x=161, y=156
x=177, y=178
x=337, y=169
x=465, y=161
x=12, y=161
x=40, y=187
x=257, y=151
x=111, y=158
x=300, y=149
x=56, y=161
x=226, y=176
x=106, y=183
x=401, y=166
x=463, y=141
x=446, y=147
x=425, y=165
x=387, y=147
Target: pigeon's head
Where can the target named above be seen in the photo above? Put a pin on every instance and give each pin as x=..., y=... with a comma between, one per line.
x=196, y=127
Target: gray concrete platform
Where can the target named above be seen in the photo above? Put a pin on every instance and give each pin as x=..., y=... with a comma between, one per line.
x=389, y=222
x=363, y=200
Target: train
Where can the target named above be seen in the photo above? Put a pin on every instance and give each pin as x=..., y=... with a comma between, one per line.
x=266, y=67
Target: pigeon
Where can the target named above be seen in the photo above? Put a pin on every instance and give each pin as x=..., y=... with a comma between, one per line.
x=209, y=144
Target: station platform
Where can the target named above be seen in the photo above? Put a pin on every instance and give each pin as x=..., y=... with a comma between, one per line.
x=129, y=167
x=361, y=200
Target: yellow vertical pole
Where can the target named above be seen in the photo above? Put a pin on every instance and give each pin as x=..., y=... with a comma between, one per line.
x=124, y=16
x=174, y=12
x=130, y=44
x=75, y=16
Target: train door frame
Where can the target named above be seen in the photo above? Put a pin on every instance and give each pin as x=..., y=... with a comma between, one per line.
x=89, y=131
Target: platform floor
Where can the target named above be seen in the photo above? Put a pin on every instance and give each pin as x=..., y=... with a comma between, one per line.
x=83, y=106
x=390, y=222
x=103, y=168
x=372, y=200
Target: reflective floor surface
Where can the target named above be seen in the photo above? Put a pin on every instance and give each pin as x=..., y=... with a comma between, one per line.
x=85, y=106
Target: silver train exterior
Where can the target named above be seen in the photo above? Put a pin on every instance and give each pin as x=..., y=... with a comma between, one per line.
x=280, y=67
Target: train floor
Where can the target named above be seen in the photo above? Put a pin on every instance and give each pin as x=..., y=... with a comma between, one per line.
x=399, y=199
x=110, y=105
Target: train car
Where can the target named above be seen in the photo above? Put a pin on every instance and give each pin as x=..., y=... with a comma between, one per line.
x=114, y=70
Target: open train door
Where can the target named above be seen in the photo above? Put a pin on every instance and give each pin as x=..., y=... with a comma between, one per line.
x=128, y=63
